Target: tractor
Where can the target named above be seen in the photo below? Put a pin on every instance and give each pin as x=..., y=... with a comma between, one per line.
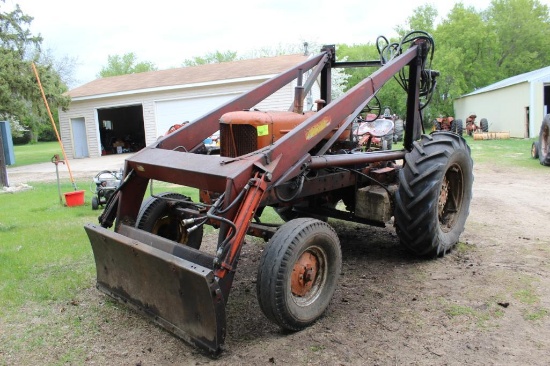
x=449, y=124
x=308, y=167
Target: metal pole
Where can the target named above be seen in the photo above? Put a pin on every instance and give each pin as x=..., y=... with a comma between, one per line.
x=56, y=161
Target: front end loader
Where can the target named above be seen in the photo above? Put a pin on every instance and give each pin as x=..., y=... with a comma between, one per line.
x=308, y=167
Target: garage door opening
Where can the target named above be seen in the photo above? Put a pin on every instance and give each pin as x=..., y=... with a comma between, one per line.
x=121, y=129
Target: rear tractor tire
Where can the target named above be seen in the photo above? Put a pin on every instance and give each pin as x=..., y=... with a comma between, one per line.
x=484, y=125
x=298, y=273
x=435, y=190
x=544, y=141
x=157, y=217
x=457, y=126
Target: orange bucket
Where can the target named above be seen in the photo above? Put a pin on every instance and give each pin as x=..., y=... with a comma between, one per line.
x=75, y=198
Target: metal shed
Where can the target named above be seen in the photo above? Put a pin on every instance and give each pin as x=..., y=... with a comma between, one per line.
x=516, y=105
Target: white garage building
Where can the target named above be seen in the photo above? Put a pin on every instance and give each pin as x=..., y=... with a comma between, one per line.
x=136, y=109
x=516, y=105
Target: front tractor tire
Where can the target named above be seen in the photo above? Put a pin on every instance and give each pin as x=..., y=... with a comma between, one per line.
x=298, y=273
x=435, y=190
x=158, y=217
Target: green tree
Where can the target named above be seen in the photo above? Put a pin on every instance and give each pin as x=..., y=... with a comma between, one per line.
x=520, y=28
x=125, y=64
x=473, y=48
x=423, y=18
x=211, y=58
x=20, y=96
x=464, y=46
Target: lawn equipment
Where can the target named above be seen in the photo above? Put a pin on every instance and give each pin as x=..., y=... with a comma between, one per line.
x=309, y=168
x=449, y=124
x=103, y=185
x=471, y=125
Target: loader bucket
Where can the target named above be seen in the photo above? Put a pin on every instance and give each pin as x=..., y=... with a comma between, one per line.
x=173, y=285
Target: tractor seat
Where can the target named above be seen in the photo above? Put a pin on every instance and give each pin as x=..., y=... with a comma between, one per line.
x=377, y=128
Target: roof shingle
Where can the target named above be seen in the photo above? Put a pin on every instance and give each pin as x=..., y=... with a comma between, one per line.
x=188, y=75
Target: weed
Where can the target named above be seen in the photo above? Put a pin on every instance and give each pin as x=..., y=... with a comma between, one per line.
x=317, y=348
x=536, y=315
x=457, y=310
x=464, y=247
x=526, y=296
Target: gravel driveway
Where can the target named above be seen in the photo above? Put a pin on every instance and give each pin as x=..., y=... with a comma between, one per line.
x=84, y=168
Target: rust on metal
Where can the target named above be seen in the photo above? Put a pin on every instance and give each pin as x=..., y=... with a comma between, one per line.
x=262, y=154
x=304, y=274
x=172, y=284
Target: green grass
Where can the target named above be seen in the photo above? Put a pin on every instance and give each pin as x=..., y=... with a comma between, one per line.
x=44, y=253
x=526, y=296
x=41, y=152
x=505, y=153
x=536, y=315
x=509, y=152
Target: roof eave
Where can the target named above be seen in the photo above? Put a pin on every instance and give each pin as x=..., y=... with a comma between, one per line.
x=172, y=87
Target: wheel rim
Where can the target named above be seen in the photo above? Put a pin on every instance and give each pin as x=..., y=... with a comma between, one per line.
x=308, y=276
x=169, y=228
x=450, y=198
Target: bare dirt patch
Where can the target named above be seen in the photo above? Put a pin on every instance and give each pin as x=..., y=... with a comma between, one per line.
x=485, y=303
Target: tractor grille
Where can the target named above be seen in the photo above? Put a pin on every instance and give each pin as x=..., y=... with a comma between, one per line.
x=237, y=140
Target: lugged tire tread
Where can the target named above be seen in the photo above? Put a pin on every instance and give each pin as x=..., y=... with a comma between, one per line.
x=416, y=198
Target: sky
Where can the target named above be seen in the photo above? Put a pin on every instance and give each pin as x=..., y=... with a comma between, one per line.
x=166, y=32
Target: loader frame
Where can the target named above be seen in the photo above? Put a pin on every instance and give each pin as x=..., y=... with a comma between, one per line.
x=195, y=287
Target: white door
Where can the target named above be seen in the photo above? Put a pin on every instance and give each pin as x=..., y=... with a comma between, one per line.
x=171, y=112
x=80, y=144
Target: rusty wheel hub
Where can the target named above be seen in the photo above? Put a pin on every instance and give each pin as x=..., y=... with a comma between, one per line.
x=304, y=274
x=443, y=196
x=450, y=198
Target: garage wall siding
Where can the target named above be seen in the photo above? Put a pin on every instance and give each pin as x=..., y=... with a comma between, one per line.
x=504, y=108
x=281, y=100
x=537, y=110
x=65, y=130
